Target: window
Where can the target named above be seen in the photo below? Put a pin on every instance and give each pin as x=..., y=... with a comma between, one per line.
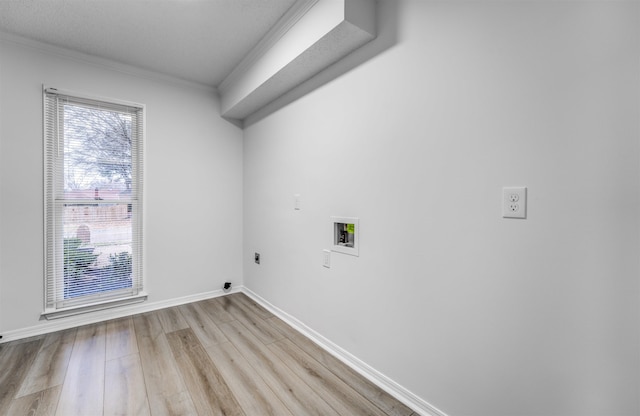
x=93, y=203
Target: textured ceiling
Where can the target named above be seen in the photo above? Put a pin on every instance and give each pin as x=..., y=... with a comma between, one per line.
x=195, y=40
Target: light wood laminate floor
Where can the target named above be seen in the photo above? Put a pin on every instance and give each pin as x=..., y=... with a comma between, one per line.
x=222, y=356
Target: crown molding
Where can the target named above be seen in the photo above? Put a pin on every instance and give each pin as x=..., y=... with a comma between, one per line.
x=312, y=35
x=100, y=62
x=286, y=22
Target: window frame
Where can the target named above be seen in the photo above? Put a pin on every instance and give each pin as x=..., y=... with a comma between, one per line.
x=55, y=306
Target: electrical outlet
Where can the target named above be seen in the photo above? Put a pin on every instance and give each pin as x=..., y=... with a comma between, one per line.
x=296, y=202
x=326, y=258
x=256, y=258
x=514, y=202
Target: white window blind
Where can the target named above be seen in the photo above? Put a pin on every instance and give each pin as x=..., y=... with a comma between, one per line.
x=93, y=202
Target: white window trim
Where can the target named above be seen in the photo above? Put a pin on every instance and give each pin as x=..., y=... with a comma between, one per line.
x=141, y=295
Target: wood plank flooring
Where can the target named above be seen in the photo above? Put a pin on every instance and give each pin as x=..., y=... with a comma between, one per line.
x=222, y=356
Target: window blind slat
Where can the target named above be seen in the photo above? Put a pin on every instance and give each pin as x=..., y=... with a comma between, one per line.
x=93, y=201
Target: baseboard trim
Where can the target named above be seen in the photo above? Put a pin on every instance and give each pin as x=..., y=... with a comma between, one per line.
x=385, y=383
x=107, y=314
x=396, y=390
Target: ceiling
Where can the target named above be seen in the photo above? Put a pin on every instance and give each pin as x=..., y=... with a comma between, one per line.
x=195, y=40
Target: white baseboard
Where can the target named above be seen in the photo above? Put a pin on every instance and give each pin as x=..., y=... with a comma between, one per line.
x=396, y=390
x=385, y=383
x=107, y=314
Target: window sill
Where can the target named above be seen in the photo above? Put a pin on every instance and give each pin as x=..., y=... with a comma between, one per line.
x=77, y=310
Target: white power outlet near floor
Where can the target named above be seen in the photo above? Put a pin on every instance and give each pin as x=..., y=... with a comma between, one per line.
x=514, y=202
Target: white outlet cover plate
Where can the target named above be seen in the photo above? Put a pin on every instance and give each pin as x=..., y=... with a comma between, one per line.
x=514, y=202
x=296, y=202
x=326, y=258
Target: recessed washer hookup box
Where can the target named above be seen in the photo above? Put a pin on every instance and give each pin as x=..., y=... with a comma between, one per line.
x=346, y=235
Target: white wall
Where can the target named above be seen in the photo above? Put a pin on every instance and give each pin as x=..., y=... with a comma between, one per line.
x=193, y=196
x=476, y=314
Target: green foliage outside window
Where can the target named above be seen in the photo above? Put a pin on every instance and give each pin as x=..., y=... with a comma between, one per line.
x=121, y=264
x=77, y=259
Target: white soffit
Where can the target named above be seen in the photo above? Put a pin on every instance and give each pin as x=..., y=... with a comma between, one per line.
x=312, y=35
